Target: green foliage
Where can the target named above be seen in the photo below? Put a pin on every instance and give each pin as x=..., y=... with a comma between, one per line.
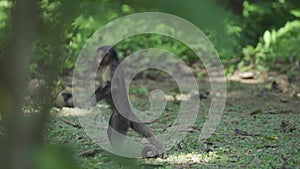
x=266, y=30
x=270, y=31
x=5, y=7
x=262, y=15
x=281, y=44
x=138, y=42
x=5, y=12
x=287, y=39
x=227, y=43
x=91, y=15
x=73, y=22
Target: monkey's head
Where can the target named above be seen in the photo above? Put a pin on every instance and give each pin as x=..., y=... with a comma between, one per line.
x=106, y=54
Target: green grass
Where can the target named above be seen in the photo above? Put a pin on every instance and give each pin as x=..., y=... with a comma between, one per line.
x=269, y=144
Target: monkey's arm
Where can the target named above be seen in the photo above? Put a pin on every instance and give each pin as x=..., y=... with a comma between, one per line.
x=101, y=93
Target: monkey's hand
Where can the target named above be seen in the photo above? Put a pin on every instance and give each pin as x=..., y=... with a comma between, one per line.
x=102, y=93
x=152, y=152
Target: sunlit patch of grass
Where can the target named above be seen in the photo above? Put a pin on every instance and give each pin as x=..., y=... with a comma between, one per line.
x=188, y=160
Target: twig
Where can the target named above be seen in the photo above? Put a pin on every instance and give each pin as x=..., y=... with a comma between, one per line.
x=89, y=153
x=71, y=123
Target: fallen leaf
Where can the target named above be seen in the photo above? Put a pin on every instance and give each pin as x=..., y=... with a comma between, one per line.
x=256, y=112
x=234, y=120
x=271, y=137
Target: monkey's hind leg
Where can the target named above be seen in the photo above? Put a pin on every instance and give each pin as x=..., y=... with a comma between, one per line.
x=118, y=126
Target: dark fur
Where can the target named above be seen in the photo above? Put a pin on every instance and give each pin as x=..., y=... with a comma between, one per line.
x=109, y=63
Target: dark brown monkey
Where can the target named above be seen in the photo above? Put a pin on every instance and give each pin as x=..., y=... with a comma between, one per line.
x=109, y=63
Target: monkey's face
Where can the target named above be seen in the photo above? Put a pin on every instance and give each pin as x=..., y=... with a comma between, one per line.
x=104, y=55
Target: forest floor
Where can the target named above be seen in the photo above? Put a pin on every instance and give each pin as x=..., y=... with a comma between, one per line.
x=260, y=128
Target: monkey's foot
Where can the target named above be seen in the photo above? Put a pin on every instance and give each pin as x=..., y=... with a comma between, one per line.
x=152, y=152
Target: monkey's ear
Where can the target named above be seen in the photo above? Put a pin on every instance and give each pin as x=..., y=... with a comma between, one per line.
x=104, y=50
x=100, y=56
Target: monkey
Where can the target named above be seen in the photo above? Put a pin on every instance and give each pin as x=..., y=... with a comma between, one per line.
x=68, y=99
x=64, y=99
x=109, y=62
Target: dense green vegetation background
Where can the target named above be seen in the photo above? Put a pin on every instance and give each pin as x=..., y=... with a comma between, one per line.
x=264, y=32
x=248, y=35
